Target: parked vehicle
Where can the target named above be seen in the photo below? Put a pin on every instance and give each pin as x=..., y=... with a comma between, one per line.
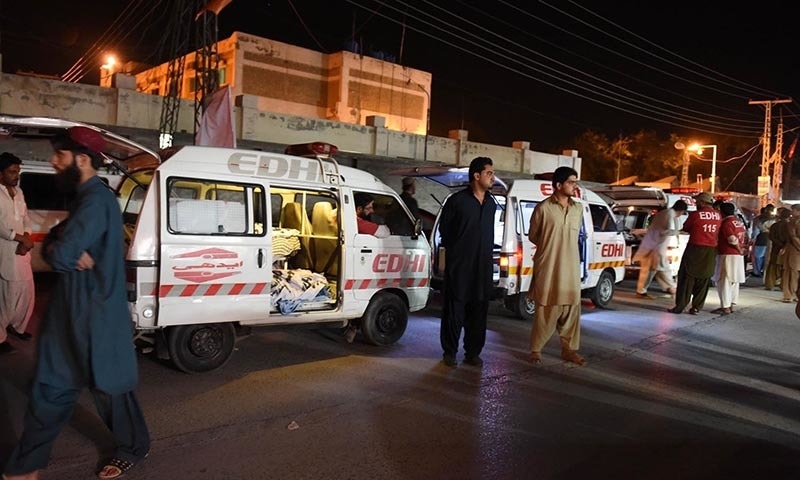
x=634, y=207
x=221, y=240
x=224, y=239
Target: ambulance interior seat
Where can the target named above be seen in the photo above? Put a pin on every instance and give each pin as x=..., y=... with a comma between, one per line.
x=325, y=242
x=294, y=216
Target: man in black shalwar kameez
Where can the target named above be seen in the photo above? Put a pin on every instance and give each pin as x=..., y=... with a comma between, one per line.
x=467, y=232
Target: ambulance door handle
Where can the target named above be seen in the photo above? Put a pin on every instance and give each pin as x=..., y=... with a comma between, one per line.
x=260, y=258
x=366, y=250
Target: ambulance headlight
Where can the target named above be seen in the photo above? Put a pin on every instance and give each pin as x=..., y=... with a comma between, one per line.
x=148, y=312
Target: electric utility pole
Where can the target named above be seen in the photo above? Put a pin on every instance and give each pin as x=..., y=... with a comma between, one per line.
x=764, y=179
x=777, y=161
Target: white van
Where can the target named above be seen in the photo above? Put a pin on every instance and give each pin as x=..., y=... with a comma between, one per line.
x=602, y=247
x=224, y=239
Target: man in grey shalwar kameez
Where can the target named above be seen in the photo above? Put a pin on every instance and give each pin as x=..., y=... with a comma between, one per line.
x=86, y=338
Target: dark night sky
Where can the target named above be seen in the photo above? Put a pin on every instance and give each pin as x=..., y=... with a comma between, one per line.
x=685, y=67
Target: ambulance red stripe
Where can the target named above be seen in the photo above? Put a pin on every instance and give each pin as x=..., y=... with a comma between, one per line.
x=212, y=290
x=370, y=283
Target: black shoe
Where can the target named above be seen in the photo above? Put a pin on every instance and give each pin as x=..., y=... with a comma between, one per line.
x=449, y=360
x=6, y=347
x=675, y=310
x=646, y=296
x=22, y=336
x=474, y=361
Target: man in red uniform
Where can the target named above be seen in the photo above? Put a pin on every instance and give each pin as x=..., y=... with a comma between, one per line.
x=730, y=260
x=364, y=206
x=700, y=256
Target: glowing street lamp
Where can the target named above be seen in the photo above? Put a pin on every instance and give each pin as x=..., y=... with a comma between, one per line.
x=111, y=61
x=699, y=150
x=107, y=70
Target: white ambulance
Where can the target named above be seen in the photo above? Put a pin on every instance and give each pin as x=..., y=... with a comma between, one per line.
x=602, y=246
x=225, y=239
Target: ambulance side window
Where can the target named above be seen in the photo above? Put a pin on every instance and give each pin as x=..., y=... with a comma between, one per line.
x=224, y=208
x=602, y=219
x=526, y=208
x=388, y=210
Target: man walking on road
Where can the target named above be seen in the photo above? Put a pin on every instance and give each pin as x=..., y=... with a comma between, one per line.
x=467, y=232
x=652, y=252
x=556, y=283
x=700, y=256
x=86, y=338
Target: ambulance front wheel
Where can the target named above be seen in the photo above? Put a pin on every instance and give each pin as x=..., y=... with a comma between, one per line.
x=603, y=292
x=524, y=307
x=201, y=348
x=385, y=320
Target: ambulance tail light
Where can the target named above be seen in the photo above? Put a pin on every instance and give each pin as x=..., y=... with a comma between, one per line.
x=509, y=260
x=504, y=265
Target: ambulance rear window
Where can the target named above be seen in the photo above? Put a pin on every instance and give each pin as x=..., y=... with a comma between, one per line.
x=41, y=192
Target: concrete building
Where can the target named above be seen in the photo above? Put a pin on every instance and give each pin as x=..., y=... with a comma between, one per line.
x=342, y=86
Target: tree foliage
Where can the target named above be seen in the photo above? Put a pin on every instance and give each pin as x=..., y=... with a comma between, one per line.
x=649, y=157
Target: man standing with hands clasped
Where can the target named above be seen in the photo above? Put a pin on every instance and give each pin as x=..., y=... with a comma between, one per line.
x=17, y=291
x=86, y=338
x=467, y=230
x=729, y=271
x=556, y=283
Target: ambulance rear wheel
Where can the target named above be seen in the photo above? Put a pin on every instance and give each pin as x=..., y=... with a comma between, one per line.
x=525, y=308
x=603, y=292
x=201, y=348
x=385, y=320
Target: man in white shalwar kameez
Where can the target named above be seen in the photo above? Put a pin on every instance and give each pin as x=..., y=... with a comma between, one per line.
x=729, y=271
x=652, y=252
x=17, y=291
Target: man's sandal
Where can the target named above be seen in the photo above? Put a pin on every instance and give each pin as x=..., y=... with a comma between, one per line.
x=115, y=468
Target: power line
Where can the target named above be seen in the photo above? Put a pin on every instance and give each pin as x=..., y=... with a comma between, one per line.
x=622, y=73
x=750, y=88
x=559, y=74
x=625, y=107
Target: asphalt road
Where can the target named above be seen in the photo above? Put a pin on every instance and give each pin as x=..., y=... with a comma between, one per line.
x=664, y=396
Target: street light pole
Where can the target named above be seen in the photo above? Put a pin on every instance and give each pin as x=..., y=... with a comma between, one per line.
x=427, y=116
x=699, y=148
x=713, y=168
